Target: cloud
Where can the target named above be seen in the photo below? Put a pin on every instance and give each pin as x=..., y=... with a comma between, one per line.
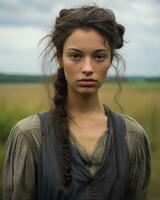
x=18, y=49
x=24, y=22
x=23, y=16
x=16, y=38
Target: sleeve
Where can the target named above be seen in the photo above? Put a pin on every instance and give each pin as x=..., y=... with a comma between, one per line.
x=19, y=168
x=140, y=167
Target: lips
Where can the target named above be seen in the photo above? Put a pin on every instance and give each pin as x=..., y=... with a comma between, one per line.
x=87, y=79
x=87, y=82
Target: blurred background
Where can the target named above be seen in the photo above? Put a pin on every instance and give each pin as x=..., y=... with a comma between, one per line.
x=24, y=22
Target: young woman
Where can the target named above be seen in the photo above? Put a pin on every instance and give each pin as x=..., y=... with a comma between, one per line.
x=79, y=149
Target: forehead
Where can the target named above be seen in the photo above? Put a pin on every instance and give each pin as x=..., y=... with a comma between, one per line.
x=86, y=39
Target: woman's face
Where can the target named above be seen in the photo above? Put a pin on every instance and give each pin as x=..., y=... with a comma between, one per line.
x=86, y=58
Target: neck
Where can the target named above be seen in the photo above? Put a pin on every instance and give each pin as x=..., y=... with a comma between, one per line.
x=80, y=104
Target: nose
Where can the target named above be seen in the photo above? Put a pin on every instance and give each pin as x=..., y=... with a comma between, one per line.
x=87, y=67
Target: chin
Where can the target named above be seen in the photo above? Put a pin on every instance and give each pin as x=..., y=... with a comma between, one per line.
x=83, y=90
x=87, y=91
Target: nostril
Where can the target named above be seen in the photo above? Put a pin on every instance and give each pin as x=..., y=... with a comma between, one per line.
x=87, y=72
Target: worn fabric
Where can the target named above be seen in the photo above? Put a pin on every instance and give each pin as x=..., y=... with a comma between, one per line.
x=19, y=167
x=111, y=180
x=93, y=161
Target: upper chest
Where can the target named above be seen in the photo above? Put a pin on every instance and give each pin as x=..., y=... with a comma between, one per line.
x=88, y=132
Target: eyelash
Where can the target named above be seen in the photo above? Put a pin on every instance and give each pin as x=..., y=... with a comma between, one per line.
x=77, y=57
x=74, y=57
x=102, y=57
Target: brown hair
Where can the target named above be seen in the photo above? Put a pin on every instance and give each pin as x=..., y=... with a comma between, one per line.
x=87, y=17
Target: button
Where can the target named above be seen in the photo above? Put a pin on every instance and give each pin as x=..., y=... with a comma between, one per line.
x=89, y=164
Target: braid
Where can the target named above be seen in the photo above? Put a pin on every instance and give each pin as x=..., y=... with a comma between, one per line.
x=62, y=122
x=101, y=20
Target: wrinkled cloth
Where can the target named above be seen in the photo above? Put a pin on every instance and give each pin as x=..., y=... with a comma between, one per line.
x=93, y=161
x=20, y=161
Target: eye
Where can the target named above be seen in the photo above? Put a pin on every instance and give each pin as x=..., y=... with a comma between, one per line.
x=100, y=57
x=75, y=57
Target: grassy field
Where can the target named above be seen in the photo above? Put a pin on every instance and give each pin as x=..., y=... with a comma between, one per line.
x=139, y=100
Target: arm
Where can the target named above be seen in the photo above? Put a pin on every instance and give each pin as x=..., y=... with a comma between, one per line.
x=140, y=167
x=19, y=168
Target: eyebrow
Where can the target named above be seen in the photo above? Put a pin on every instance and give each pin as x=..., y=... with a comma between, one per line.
x=78, y=50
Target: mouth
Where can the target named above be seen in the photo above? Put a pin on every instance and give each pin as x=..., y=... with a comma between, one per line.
x=87, y=82
x=87, y=79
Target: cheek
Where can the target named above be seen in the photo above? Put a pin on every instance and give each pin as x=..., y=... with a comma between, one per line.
x=69, y=71
x=103, y=72
x=107, y=67
x=66, y=65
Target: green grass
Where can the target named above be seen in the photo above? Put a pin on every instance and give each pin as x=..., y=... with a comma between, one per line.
x=10, y=115
x=144, y=85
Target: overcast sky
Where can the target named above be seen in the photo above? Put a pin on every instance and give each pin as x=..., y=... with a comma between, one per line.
x=24, y=22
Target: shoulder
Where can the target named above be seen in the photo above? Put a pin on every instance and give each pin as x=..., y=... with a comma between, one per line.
x=28, y=127
x=139, y=156
x=133, y=128
x=136, y=137
x=132, y=125
x=135, y=134
x=29, y=123
x=27, y=131
x=21, y=157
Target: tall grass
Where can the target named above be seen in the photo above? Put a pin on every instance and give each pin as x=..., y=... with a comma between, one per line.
x=140, y=101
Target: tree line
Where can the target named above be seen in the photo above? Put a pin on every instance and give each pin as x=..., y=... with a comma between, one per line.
x=16, y=78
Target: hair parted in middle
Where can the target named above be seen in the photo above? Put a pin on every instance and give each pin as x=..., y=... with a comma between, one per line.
x=86, y=17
